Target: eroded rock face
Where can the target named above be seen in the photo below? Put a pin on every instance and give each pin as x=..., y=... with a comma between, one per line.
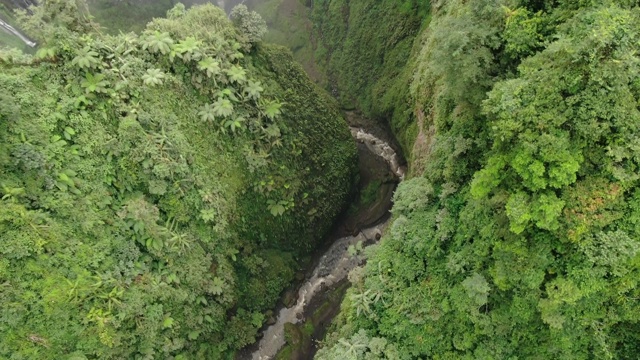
x=376, y=179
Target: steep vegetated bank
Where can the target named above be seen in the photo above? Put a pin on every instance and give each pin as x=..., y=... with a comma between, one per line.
x=361, y=52
x=157, y=189
x=289, y=25
x=365, y=48
x=517, y=236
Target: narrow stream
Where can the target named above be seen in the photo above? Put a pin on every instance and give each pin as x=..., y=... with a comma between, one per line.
x=335, y=264
x=380, y=148
x=11, y=30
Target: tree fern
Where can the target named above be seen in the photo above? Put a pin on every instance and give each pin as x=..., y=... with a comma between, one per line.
x=227, y=93
x=235, y=123
x=253, y=89
x=223, y=107
x=47, y=53
x=94, y=83
x=237, y=74
x=158, y=42
x=210, y=66
x=352, y=349
x=271, y=109
x=217, y=286
x=188, y=49
x=362, y=302
x=86, y=58
x=153, y=77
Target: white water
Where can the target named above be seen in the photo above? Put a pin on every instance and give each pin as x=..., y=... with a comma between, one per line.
x=11, y=30
x=381, y=149
x=334, y=265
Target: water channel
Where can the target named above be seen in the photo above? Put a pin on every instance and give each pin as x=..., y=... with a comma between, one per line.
x=338, y=260
x=331, y=269
x=11, y=30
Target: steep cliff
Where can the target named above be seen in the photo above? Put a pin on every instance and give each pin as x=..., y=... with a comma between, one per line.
x=515, y=236
x=158, y=189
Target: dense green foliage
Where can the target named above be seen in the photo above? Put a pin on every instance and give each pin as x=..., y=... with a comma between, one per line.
x=157, y=190
x=365, y=48
x=250, y=22
x=520, y=238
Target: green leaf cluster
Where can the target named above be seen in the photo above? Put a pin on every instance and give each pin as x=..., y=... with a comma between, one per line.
x=365, y=49
x=129, y=227
x=517, y=236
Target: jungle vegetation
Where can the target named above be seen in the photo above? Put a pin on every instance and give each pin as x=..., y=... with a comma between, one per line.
x=517, y=233
x=158, y=190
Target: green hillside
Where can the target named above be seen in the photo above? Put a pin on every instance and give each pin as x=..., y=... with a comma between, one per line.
x=158, y=189
x=516, y=236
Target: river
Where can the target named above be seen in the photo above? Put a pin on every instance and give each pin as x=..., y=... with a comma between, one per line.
x=335, y=264
x=11, y=30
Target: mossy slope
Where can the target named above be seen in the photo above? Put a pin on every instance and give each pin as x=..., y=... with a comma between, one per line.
x=137, y=212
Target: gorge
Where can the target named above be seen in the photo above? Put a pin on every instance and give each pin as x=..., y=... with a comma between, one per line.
x=163, y=191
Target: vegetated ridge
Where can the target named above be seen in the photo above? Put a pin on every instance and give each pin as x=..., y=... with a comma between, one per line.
x=516, y=234
x=158, y=190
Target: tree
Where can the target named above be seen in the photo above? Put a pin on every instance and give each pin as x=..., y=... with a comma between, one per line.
x=95, y=83
x=86, y=58
x=124, y=219
x=535, y=251
x=207, y=113
x=157, y=42
x=250, y=24
x=210, y=66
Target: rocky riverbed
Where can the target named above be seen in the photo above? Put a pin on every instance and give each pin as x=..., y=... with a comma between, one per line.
x=307, y=311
